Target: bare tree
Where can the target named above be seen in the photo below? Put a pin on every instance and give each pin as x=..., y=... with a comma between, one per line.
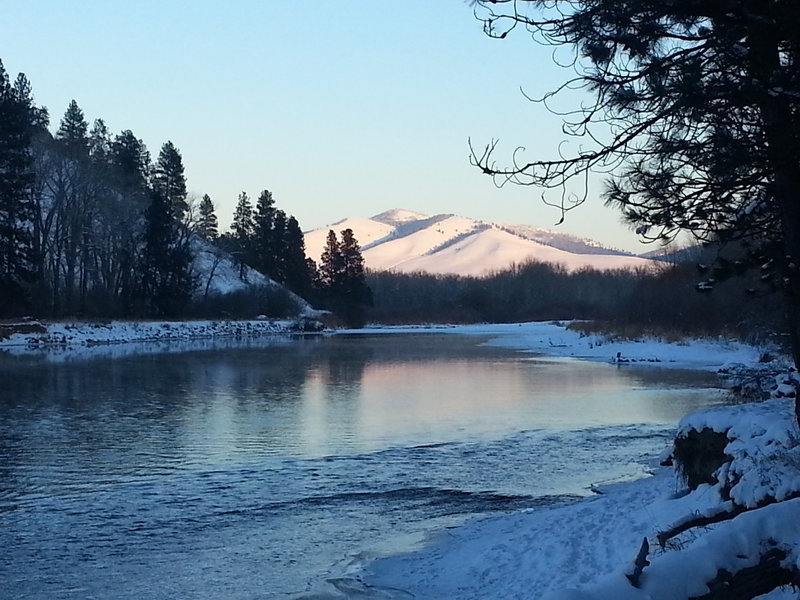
x=694, y=119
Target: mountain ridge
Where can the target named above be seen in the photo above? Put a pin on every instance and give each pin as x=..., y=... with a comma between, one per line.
x=408, y=241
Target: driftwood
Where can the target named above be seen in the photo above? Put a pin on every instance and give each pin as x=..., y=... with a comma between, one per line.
x=745, y=584
x=726, y=515
x=639, y=564
x=753, y=581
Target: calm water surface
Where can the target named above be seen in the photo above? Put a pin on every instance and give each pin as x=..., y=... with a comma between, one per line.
x=268, y=471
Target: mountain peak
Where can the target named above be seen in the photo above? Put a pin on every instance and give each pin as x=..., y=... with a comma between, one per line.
x=398, y=216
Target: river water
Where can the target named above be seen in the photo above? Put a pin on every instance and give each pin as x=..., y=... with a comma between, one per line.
x=271, y=469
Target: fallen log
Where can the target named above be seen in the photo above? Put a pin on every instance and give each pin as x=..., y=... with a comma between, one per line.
x=724, y=515
x=751, y=582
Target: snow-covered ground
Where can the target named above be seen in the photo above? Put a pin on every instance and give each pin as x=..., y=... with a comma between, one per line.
x=586, y=549
x=60, y=341
x=554, y=339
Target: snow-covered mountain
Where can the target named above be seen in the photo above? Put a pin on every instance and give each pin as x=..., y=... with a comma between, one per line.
x=406, y=241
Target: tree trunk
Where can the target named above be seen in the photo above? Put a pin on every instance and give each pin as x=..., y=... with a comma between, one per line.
x=782, y=134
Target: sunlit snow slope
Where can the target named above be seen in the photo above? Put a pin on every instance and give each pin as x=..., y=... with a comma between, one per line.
x=406, y=241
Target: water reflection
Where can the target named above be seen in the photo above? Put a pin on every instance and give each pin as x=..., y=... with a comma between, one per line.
x=316, y=397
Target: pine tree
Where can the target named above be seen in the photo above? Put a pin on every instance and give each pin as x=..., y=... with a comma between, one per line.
x=99, y=142
x=18, y=121
x=297, y=271
x=331, y=266
x=353, y=266
x=127, y=180
x=242, y=226
x=695, y=120
x=242, y=230
x=72, y=132
x=342, y=278
x=207, y=225
x=264, y=247
x=353, y=291
x=170, y=181
x=279, y=250
x=166, y=278
x=39, y=118
x=315, y=282
x=74, y=195
x=131, y=163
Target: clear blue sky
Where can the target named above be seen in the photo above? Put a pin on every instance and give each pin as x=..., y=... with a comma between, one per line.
x=343, y=108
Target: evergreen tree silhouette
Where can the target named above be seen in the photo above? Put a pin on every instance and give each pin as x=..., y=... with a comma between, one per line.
x=207, y=225
x=166, y=278
x=18, y=121
x=73, y=132
x=170, y=181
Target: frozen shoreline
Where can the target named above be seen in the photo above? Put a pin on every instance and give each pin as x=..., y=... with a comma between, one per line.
x=62, y=341
x=553, y=339
x=537, y=337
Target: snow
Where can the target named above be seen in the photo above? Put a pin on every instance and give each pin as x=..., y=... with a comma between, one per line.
x=398, y=252
x=77, y=341
x=366, y=231
x=491, y=250
x=398, y=216
x=563, y=241
x=217, y=273
x=763, y=445
x=406, y=241
x=584, y=550
x=554, y=339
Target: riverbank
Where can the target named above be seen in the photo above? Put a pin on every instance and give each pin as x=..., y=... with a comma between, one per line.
x=549, y=338
x=744, y=519
x=554, y=339
x=26, y=336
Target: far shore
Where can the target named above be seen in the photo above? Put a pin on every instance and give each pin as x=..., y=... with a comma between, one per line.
x=46, y=338
x=42, y=334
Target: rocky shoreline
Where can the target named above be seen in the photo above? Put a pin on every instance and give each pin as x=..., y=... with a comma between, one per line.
x=42, y=334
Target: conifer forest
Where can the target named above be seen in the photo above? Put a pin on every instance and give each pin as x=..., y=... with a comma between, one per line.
x=92, y=226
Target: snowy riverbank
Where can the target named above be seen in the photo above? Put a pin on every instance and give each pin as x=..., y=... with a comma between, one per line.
x=97, y=339
x=542, y=338
x=554, y=339
x=587, y=549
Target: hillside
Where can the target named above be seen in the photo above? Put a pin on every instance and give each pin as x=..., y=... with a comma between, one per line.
x=406, y=241
x=217, y=273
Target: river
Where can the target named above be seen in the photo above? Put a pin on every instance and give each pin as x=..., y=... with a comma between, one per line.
x=269, y=470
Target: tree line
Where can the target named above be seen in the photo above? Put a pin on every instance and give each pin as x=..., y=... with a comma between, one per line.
x=265, y=238
x=662, y=300
x=91, y=226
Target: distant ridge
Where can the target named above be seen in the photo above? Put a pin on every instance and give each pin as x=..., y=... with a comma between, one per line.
x=407, y=241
